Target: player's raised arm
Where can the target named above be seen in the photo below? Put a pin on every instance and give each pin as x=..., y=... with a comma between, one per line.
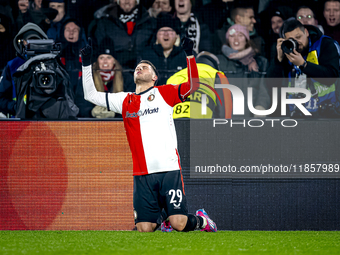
x=192, y=85
x=112, y=101
x=90, y=92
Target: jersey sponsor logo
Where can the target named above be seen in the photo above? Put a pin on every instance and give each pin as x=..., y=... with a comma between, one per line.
x=141, y=113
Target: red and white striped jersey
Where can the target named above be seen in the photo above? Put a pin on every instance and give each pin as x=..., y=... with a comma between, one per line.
x=148, y=122
x=150, y=129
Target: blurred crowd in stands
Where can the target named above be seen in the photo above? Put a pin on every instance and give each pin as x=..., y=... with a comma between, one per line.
x=239, y=36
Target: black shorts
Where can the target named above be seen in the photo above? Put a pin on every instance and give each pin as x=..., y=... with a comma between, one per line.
x=154, y=192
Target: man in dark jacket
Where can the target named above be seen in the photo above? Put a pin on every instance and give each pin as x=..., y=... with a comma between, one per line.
x=7, y=89
x=314, y=65
x=73, y=39
x=164, y=54
x=55, y=30
x=129, y=26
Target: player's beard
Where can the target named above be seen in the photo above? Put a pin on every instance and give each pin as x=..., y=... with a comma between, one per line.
x=144, y=78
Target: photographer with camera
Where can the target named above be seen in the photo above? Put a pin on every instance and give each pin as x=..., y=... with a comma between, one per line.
x=309, y=60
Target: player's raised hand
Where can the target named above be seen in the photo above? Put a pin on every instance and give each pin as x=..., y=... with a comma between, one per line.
x=86, y=53
x=188, y=46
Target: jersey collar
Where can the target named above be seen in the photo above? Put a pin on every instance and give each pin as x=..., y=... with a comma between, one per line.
x=144, y=91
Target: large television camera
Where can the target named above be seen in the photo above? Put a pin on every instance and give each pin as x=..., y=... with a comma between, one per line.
x=36, y=47
x=45, y=78
x=43, y=85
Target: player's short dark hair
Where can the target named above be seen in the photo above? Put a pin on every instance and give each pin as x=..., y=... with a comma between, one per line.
x=289, y=25
x=150, y=64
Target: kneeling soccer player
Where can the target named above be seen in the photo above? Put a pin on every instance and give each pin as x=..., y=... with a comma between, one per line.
x=150, y=130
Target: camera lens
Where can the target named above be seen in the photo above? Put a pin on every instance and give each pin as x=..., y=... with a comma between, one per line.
x=289, y=45
x=45, y=80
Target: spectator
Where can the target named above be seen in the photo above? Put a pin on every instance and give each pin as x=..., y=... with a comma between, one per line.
x=191, y=27
x=159, y=6
x=35, y=5
x=276, y=20
x=24, y=16
x=55, y=31
x=73, y=39
x=165, y=54
x=214, y=13
x=23, y=5
x=41, y=16
x=7, y=90
x=306, y=16
x=314, y=65
x=84, y=13
x=238, y=60
x=29, y=12
x=129, y=26
x=6, y=9
x=107, y=76
x=331, y=14
x=245, y=16
x=6, y=45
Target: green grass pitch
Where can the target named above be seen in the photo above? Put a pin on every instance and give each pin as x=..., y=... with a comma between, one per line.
x=132, y=242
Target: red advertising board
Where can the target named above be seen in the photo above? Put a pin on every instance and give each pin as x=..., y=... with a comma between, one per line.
x=65, y=176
